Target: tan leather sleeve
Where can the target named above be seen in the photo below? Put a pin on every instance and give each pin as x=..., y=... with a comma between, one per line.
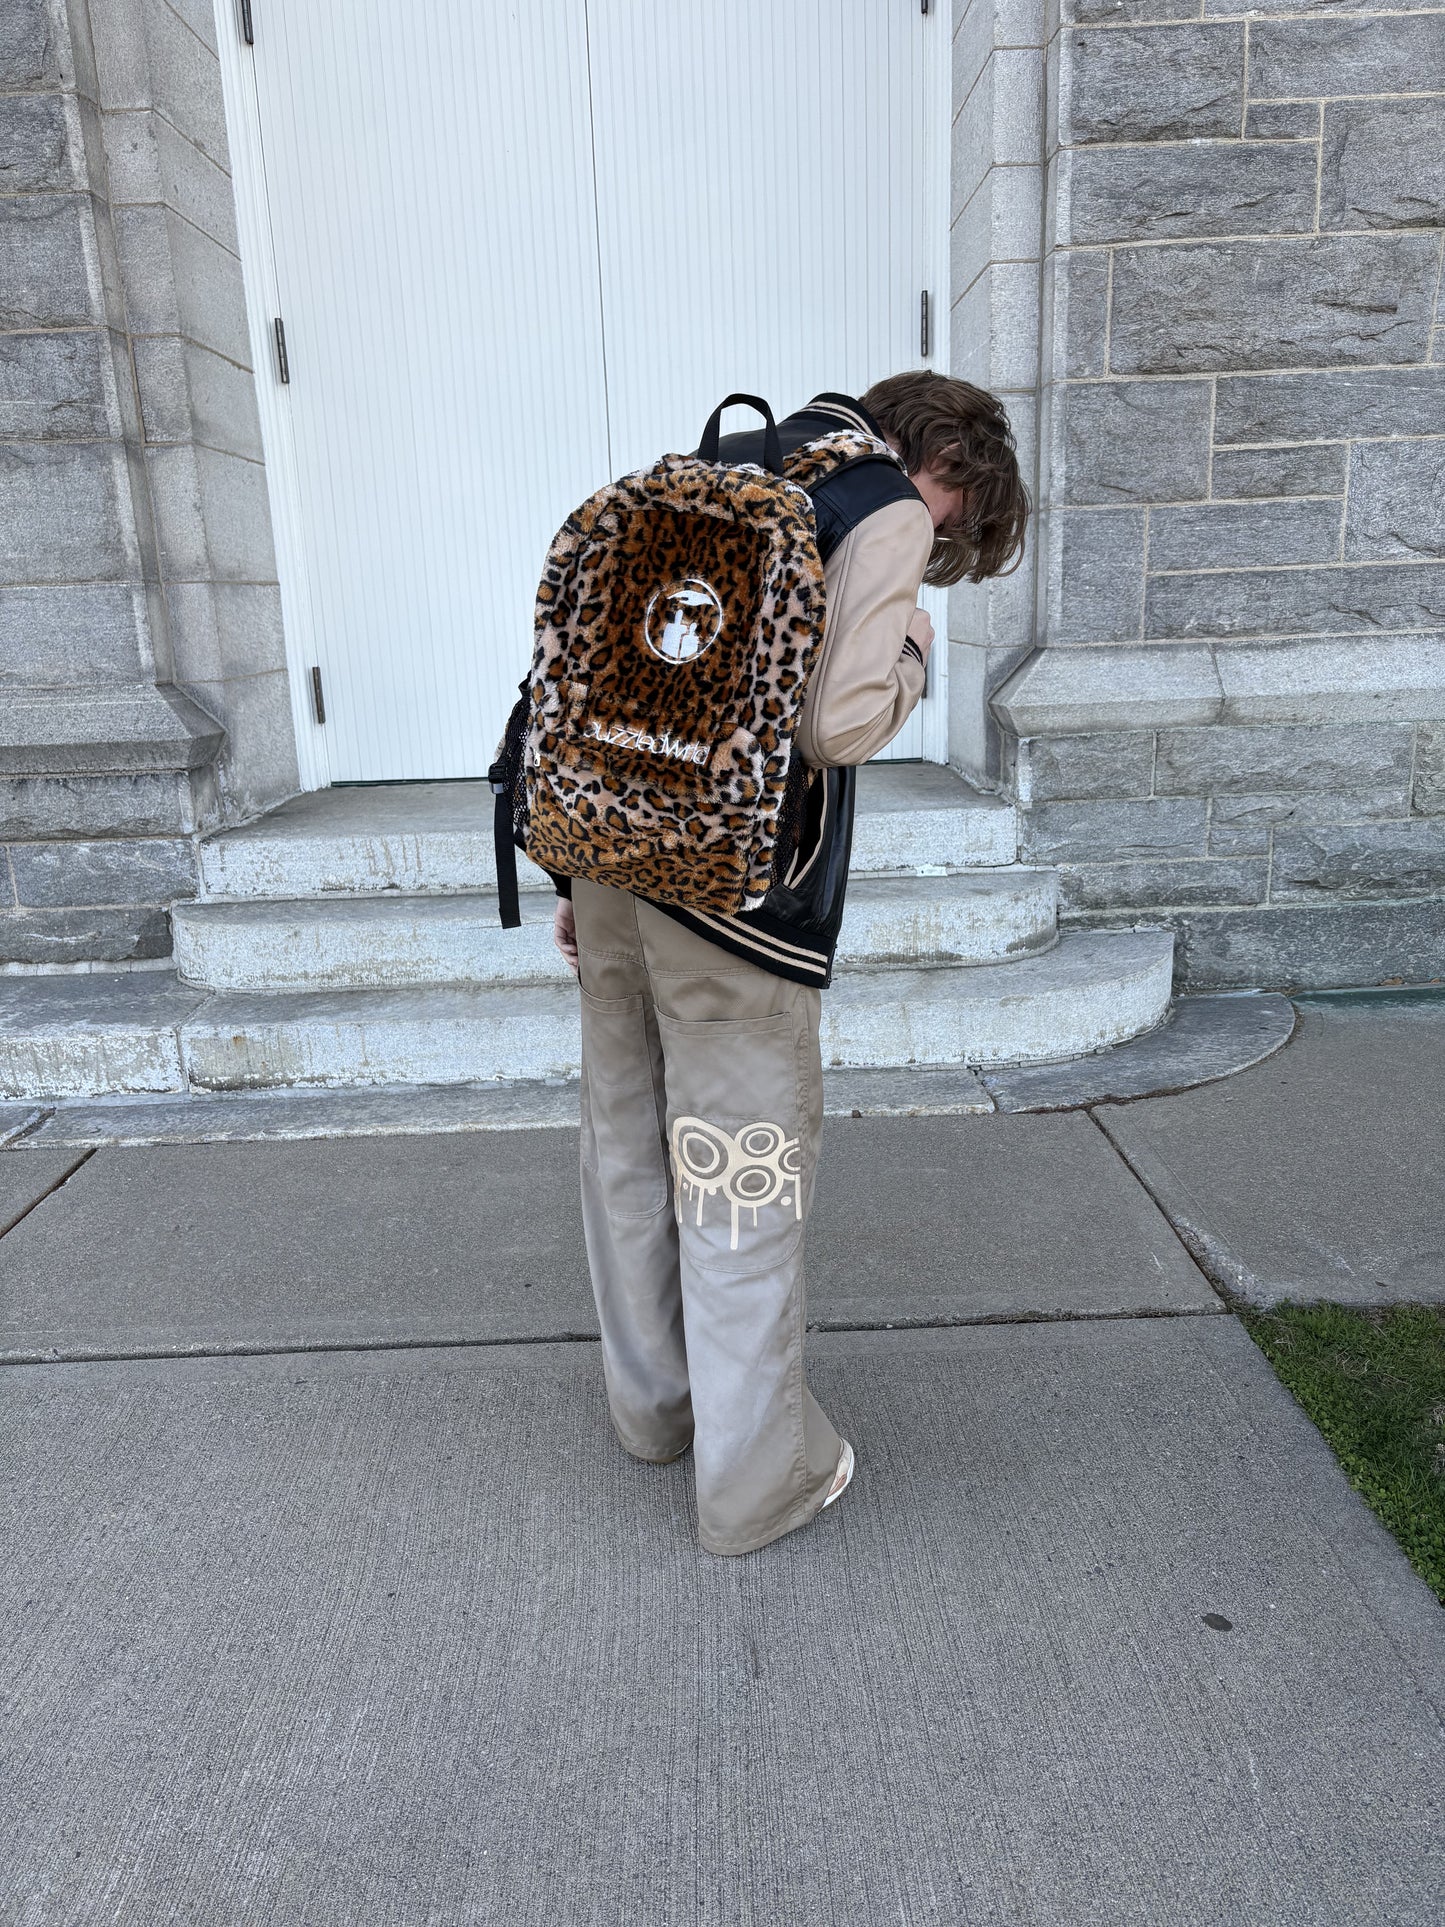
x=864, y=688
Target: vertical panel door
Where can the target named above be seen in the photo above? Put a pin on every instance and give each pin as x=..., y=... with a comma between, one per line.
x=429, y=177
x=768, y=206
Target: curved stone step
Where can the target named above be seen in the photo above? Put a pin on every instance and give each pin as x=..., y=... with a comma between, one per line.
x=413, y=838
x=1095, y=988
x=1091, y=990
x=383, y=942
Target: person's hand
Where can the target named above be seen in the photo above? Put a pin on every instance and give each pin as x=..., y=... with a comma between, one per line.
x=564, y=931
x=920, y=628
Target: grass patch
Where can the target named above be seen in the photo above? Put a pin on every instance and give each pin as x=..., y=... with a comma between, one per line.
x=1374, y=1383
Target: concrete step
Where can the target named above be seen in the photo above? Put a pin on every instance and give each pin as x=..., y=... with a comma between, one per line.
x=144, y=1031
x=414, y=838
x=394, y=942
x=1092, y=990
x=87, y=1034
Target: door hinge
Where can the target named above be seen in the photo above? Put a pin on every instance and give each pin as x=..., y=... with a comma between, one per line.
x=283, y=365
x=925, y=331
x=318, y=700
x=923, y=6
x=248, y=30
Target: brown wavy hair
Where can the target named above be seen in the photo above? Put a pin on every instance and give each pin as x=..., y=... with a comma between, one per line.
x=962, y=434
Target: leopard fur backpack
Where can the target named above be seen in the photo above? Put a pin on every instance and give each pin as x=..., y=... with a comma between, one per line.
x=679, y=616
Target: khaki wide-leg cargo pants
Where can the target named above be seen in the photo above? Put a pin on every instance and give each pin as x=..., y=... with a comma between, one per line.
x=702, y=1110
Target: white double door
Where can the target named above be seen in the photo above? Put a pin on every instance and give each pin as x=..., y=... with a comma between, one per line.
x=521, y=248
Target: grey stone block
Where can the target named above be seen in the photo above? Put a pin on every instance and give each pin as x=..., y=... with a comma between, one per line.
x=1377, y=679
x=1397, y=500
x=1002, y=221
x=979, y=30
x=118, y=32
x=259, y=764
x=64, y=1036
x=149, y=161
x=184, y=80
x=29, y=56
x=63, y=513
x=1135, y=441
x=44, y=276
x=200, y=17
x=123, y=934
x=212, y=515
x=997, y=615
x=1103, y=832
x=144, y=803
x=187, y=393
x=1202, y=188
x=34, y=143
x=1067, y=691
x=1378, y=860
x=1383, y=164
x=1393, y=54
x=76, y=632
x=1138, y=886
x=180, y=281
x=121, y=727
x=109, y=871
x=1265, y=602
x=222, y=630
x=1240, y=825
x=1095, y=561
x=1079, y=284
x=1111, y=763
x=1001, y=121
x=1314, y=469
x=1199, y=762
x=54, y=386
x=1153, y=83
x=1332, y=403
x=1236, y=535
x=994, y=327
x=1309, y=946
x=1429, y=791
x=1119, y=13
x=1277, y=303
x=1282, y=120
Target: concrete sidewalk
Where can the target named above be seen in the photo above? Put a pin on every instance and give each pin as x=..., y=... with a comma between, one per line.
x=375, y=1623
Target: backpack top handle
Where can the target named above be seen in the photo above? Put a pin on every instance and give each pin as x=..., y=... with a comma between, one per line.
x=772, y=447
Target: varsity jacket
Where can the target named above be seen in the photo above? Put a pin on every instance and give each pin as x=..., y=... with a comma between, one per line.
x=869, y=676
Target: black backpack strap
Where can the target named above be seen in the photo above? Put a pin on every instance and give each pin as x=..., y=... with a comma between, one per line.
x=504, y=778
x=508, y=908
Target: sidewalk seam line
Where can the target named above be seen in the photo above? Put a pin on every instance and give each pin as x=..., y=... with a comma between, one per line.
x=823, y=1328
x=49, y=1192
x=1227, y=1299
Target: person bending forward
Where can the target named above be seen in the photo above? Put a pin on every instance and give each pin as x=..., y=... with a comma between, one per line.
x=702, y=1092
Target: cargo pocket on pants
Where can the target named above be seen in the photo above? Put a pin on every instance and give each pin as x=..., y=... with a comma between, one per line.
x=736, y=1121
x=622, y=1142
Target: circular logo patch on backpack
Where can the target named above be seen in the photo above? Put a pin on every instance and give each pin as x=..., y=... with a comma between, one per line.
x=683, y=620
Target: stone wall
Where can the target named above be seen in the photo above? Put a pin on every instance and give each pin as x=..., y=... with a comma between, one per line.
x=1236, y=721
x=143, y=689
x=1000, y=50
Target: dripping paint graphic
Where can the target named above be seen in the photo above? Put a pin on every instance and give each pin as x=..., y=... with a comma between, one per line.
x=751, y=1170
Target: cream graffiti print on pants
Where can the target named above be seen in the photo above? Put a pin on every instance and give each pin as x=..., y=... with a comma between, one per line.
x=757, y=1167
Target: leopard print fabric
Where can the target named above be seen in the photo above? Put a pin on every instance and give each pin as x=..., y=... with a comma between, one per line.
x=679, y=616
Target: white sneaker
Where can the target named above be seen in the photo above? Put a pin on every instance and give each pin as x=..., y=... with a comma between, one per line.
x=843, y=1477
